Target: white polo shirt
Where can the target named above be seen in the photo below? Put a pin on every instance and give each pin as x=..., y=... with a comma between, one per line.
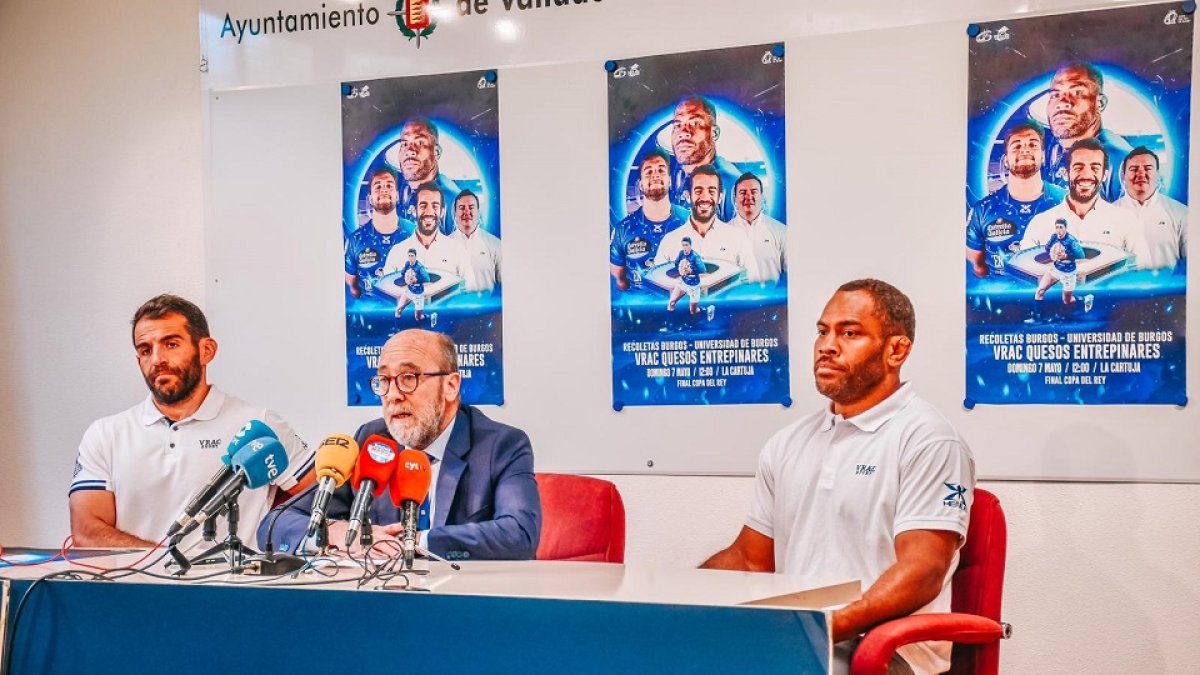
x=768, y=247
x=722, y=241
x=154, y=467
x=483, y=258
x=443, y=253
x=1163, y=222
x=833, y=493
x=1105, y=223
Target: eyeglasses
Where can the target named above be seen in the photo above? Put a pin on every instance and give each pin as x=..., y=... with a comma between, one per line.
x=406, y=383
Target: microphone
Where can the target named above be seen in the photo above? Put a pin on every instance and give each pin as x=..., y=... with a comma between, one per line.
x=254, y=466
x=409, y=488
x=249, y=431
x=335, y=460
x=376, y=463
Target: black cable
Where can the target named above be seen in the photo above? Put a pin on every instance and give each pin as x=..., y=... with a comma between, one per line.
x=16, y=621
x=270, y=548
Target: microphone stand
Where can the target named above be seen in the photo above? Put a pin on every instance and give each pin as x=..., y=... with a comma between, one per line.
x=234, y=551
x=321, y=538
x=432, y=556
x=366, y=538
x=271, y=565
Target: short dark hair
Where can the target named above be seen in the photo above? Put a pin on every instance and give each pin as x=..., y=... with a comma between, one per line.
x=466, y=192
x=703, y=103
x=430, y=186
x=424, y=122
x=1086, y=144
x=1093, y=72
x=381, y=171
x=1139, y=150
x=745, y=177
x=161, y=305
x=704, y=170
x=1027, y=125
x=892, y=307
x=651, y=154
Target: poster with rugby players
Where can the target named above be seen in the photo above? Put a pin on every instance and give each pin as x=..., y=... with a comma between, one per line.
x=1077, y=193
x=421, y=223
x=698, y=236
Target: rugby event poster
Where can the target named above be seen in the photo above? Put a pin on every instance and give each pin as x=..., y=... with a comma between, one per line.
x=1077, y=193
x=421, y=223
x=698, y=235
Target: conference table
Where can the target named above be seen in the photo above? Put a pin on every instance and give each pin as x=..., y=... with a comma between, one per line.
x=527, y=617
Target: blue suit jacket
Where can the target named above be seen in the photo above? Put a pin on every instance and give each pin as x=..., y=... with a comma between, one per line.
x=487, y=500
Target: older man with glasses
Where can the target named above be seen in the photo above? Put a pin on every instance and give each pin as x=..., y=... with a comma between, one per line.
x=483, y=503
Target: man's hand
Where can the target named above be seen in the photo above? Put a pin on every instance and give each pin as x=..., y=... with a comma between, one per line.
x=380, y=533
x=410, y=277
x=685, y=268
x=1057, y=252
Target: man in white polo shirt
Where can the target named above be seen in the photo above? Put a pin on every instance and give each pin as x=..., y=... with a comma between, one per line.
x=1089, y=218
x=767, y=236
x=711, y=238
x=1162, y=220
x=137, y=470
x=877, y=486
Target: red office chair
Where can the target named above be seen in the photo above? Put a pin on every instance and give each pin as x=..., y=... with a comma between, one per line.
x=582, y=519
x=973, y=624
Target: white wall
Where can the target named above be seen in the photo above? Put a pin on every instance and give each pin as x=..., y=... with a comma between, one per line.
x=100, y=173
x=100, y=208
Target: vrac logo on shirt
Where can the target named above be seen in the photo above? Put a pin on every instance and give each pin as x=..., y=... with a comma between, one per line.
x=864, y=469
x=209, y=443
x=957, y=497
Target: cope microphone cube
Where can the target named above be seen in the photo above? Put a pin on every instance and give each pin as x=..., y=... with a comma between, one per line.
x=376, y=462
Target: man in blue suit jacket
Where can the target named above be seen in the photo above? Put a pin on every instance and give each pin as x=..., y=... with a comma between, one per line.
x=484, y=499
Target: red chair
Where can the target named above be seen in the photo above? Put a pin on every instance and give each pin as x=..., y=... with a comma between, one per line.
x=973, y=624
x=582, y=519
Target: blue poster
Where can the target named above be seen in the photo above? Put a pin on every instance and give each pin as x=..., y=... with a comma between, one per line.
x=421, y=223
x=1077, y=193
x=698, y=228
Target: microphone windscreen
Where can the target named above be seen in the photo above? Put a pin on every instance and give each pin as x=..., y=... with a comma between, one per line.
x=262, y=460
x=249, y=431
x=336, y=458
x=412, y=477
x=376, y=461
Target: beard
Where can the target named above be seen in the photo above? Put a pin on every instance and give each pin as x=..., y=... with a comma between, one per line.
x=655, y=192
x=413, y=170
x=1071, y=126
x=427, y=225
x=422, y=429
x=1025, y=168
x=189, y=379
x=384, y=206
x=691, y=152
x=856, y=382
x=698, y=211
x=1077, y=191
